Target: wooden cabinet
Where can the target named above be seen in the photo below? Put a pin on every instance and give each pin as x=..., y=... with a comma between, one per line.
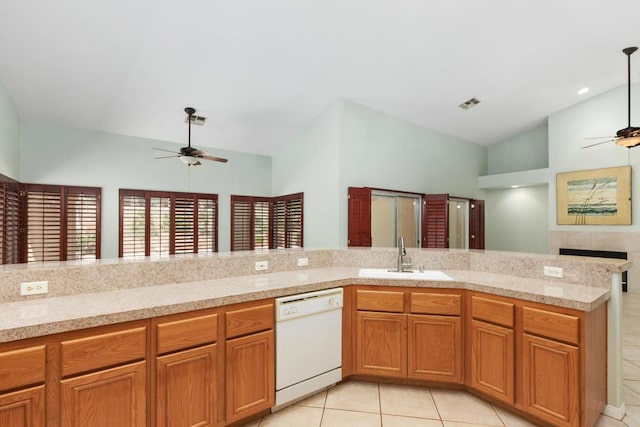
x=551, y=367
x=492, y=342
x=250, y=360
x=186, y=370
x=22, y=390
x=421, y=339
x=94, y=390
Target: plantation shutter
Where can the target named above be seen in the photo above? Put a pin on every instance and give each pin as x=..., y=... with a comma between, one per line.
x=44, y=216
x=241, y=223
x=207, y=224
x=10, y=247
x=359, y=217
x=185, y=220
x=287, y=221
x=159, y=224
x=279, y=224
x=476, y=224
x=261, y=224
x=83, y=223
x=132, y=224
x=435, y=221
x=294, y=222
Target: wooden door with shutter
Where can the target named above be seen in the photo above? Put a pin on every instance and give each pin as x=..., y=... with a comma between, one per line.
x=476, y=224
x=359, y=217
x=435, y=221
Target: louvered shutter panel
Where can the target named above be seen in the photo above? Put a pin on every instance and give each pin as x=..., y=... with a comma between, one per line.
x=159, y=225
x=359, y=217
x=476, y=224
x=133, y=232
x=44, y=217
x=294, y=222
x=436, y=222
x=279, y=224
x=10, y=217
x=184, y=217
x=241, y=223
x=83, y=223
x=261, y=224
x=207, y=220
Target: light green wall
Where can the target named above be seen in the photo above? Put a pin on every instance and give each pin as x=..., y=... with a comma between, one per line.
x=65, y=156
x=9, y=137
x=516, y=219
x=310, y=163
x=599, y=116
x=524, y=151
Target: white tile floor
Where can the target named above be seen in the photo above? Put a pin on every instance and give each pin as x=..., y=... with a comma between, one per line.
x=363, y=404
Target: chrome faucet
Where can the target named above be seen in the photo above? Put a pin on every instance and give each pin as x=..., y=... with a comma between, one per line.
x=402, y=252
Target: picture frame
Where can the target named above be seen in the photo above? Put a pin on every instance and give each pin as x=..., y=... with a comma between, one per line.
x=594, y=197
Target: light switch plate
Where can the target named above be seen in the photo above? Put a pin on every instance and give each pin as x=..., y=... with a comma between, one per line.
x=303, y=261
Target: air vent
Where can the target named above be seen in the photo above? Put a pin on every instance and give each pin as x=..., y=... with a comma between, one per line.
x=196, y=120
x=470, y=103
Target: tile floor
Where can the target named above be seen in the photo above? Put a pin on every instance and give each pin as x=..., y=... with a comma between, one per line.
x=364, y=404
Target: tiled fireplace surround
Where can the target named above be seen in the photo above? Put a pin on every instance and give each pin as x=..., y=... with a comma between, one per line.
x=628, y=242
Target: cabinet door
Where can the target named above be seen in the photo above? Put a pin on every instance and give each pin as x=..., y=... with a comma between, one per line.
x=112, y=397
x=186, y=388
x=551, y=380
x=492, y=360
x=381, y=344
x=435, y=348
x=24, y=408
x=250, y=376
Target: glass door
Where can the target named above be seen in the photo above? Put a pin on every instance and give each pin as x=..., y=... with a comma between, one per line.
x=394, y=215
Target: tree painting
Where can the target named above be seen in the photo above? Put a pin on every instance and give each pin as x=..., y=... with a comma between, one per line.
x=592, y=197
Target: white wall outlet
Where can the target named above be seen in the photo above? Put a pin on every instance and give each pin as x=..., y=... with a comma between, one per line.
x=553, y=272
x=303, y=261
x=34, y=288
x=262, y=265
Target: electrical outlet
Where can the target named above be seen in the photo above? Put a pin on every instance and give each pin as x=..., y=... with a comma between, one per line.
x=553, y=272
x=303, y=261
x=262, y=265
x=34, y=288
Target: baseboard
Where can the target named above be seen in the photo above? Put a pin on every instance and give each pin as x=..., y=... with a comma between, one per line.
x=613, y=412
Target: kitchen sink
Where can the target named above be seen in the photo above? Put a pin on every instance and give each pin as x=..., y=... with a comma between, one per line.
x=383, y=273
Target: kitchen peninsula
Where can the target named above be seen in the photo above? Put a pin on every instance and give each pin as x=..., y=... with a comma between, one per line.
x=164, y=312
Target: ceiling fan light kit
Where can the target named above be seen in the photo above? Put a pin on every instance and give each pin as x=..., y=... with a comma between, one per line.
x=189, y=155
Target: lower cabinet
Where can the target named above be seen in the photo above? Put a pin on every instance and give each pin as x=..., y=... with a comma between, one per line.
x=381, y=344
x=186, y=388
x=250, y=360
x=111, y=397
x=492, y=360
x=435, y=348
x=23, y=408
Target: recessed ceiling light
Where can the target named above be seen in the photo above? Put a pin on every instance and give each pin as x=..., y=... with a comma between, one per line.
x=515, y=186
x=583, y=91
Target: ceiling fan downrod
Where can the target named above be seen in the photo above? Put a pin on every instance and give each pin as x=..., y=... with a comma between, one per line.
x=628, y=51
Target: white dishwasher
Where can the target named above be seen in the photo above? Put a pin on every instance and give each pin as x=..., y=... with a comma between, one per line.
x=308, y=344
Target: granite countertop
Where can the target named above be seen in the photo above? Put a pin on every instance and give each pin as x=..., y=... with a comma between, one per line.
x=44, y=316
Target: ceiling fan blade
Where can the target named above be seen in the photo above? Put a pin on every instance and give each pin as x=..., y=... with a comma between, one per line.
x=601, y=137
x=168, y=151
x=597, y=143
x=215, y=159
x=167, y=157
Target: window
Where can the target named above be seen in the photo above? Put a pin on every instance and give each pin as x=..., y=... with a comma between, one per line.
x=266, y=222
x=167, y=223
x=61, y=222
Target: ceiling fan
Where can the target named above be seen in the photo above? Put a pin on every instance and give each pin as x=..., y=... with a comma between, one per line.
x=189, y=155
x=630, y=136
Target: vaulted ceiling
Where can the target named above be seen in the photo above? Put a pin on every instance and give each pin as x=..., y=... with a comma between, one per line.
x=259, y=70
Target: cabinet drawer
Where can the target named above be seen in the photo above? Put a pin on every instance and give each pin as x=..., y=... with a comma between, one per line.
x=390, y=301
x=249, y=320
x=186, y=333
x=548, y=324
x=492, y=311
x=22, y=367
x=429, y=303
x=85, y=354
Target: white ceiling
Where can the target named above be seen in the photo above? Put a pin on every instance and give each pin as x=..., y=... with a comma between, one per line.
x=259, y=70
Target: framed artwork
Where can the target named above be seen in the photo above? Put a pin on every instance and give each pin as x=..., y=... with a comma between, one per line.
x=594, y=197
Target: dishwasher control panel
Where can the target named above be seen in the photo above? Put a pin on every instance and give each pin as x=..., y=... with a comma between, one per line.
x=294, y=306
